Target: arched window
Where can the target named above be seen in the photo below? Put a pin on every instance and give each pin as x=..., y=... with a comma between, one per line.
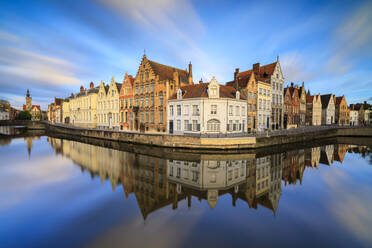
x=213, y=125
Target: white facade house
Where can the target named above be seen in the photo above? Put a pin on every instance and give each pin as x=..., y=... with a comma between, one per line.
x=108, y=105
x=211, y=176
x=4, y=115
x=264, y=105
x=328, y=109
x=206, y=108
x=354, y=116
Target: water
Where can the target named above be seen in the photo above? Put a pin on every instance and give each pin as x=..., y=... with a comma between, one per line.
x=58, y=192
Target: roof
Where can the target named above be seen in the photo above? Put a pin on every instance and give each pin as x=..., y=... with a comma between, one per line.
x=33, y=106
x=242, y=80
x=263, y=73
x=339, y=99
x=118, y=86
x=325, y=100
x=201, y=90
x=166, y=72
x=309, y=99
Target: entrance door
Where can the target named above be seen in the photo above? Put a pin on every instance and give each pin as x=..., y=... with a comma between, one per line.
x=170, y=126
x=285, y=121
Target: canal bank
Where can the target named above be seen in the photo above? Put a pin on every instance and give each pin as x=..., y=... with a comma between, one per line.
x=204, y=143
x=281, y=138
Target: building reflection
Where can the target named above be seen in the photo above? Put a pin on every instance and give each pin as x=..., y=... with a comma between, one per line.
x=157, y=182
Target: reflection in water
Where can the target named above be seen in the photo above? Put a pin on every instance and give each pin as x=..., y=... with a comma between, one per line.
x=158, y=182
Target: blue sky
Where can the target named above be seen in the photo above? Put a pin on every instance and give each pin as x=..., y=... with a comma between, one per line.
x=53, y=47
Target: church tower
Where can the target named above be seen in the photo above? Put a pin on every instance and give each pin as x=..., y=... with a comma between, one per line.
x=28, y=100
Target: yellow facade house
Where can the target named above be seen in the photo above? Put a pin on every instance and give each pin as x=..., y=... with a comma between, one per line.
x=83, y=107
x=66, y=110
x=108, y=105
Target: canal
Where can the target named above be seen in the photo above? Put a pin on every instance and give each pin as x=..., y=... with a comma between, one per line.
x=60, y=192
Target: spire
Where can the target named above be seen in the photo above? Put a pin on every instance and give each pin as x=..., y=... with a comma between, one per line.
x=277, y=58
x=112, y=79
x=28, y=93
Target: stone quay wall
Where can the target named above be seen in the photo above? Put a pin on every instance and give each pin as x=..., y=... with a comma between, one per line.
x=199, y=143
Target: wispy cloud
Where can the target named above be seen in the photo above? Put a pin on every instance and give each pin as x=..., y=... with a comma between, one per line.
x=351, y=41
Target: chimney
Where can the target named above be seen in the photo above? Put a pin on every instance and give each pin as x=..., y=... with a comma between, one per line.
x=291, y=84
x=200, y=81
x=91, y=85
x=256, y=67
x=81, y=89
x=190, y=73
x=236, y=73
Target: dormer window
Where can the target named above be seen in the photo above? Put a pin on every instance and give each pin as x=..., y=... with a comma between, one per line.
x=179, y=94
x=213, y=89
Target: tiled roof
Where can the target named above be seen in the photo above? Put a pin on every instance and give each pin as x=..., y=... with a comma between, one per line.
x=166, y=72
x=325, y=100
x=201, y=90
x=309, y=99
x=262, y=74
x=118, y=86
x=36, y=106
x=339, y=99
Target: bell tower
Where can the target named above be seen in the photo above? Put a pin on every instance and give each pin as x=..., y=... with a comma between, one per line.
x=28, y=100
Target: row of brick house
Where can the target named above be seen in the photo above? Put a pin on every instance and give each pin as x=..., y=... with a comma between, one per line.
x=161, y=98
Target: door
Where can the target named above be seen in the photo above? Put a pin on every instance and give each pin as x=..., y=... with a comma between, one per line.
x=170, y=126
x=285, y=121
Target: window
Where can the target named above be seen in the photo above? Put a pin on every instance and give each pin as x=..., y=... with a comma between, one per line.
x=178, y=110
x=141, y=101
x=260, y=91
x=160, y=99
x=186, y=110
x=249, y=120
x=194, y=125
x=264, y=92
x=237, y=110
x=178, y=125
x=254, y=96
x=230, y=110
x=147, y=87
x=186, y=125
x=142, y=117
x=161, y=116
x=195, y=110
x=152, y=101
x=147, y=101
x=141, y=88
x=259, y=104
x=249, y=107
x=152, y=86
x=136, y=102
x=213, y=125
x=147, y=74
x=249, y=95
x=137, y=89
x=152, y=116
x=213, y=109
x=171, y=110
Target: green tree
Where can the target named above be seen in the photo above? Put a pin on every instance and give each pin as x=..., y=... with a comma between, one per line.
x=24, y=115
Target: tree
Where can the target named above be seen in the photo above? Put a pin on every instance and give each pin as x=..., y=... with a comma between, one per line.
x=24, y=115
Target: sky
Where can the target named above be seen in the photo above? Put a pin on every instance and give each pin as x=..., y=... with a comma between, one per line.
x=53, y=47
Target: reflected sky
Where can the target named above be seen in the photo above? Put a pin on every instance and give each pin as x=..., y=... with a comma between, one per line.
x=65, y=193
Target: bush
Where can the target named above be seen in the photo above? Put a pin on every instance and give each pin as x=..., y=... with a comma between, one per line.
x=24, y=115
